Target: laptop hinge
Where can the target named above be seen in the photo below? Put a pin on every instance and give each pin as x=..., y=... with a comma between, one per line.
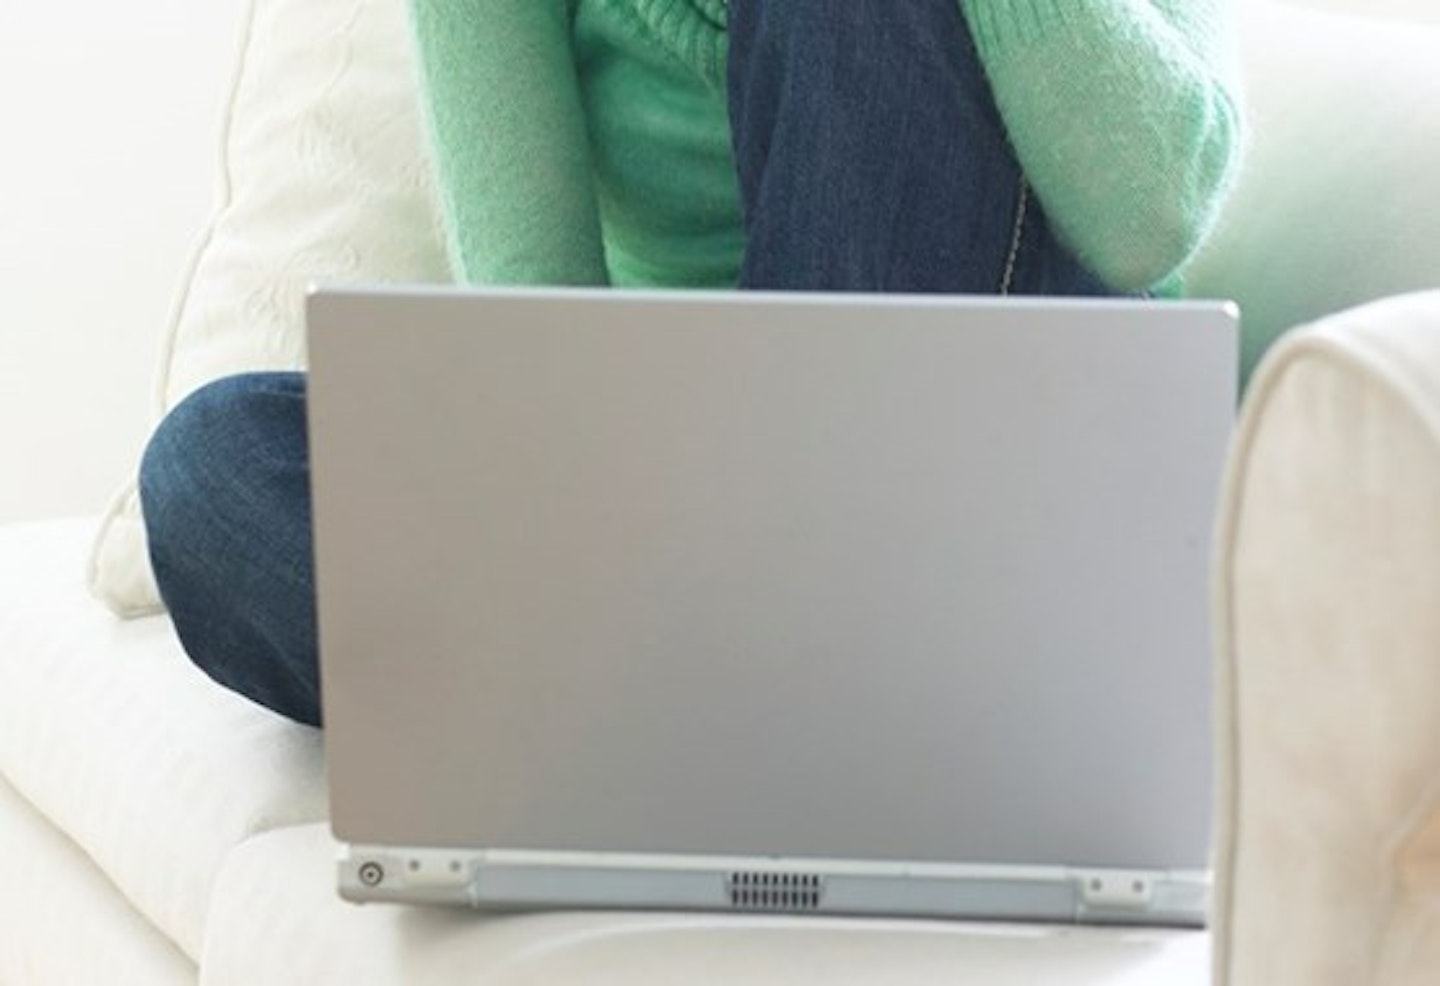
x=1116, y=895
x=1160, y=897
x=1123, y=889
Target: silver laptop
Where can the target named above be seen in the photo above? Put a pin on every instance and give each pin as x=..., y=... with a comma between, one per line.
x=769, y=603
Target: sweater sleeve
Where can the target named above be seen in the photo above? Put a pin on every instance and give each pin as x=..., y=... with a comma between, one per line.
x=1124, y=115
x=502, y=103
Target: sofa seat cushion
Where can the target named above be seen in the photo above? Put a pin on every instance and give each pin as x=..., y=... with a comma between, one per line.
x=307, y=936
x=115, y=738
x=52, y=896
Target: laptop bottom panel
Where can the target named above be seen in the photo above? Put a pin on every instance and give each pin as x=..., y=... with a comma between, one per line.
x=523, y=881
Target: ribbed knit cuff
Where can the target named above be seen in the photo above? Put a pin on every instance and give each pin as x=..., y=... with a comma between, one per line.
x=692, y=30
x=999, y=26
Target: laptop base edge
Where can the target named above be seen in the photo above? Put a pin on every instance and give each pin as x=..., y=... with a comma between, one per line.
x=508, y=880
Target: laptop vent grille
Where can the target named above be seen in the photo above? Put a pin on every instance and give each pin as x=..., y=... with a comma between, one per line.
x=759, y=891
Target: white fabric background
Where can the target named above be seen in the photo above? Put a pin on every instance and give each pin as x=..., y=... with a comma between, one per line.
x=111, y=126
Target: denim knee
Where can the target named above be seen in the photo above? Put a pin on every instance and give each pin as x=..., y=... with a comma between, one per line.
x=224, y=489
x=217, y=453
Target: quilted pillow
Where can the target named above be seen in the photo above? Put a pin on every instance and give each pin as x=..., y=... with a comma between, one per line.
x=323, y=177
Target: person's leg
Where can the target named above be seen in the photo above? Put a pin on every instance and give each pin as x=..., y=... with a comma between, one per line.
x=225, y=490
x=871, y=155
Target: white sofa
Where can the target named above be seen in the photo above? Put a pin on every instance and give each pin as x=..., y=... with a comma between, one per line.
x=155, y=829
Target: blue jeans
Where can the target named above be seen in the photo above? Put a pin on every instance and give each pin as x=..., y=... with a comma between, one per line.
x=887, y=172
x=225, y=490
x=871, y=156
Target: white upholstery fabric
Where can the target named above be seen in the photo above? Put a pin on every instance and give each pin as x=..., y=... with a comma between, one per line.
x=63, y=921
x=307, y=937
x=114, y=737
x=1328, y=623
x=1338, y=200
x=324, y=177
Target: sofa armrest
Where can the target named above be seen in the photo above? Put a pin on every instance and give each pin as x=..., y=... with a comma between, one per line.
x=1328, y=648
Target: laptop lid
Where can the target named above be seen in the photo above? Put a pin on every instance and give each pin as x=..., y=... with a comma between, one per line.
x=829, y=603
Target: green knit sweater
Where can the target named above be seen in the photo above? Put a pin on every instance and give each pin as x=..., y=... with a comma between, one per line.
x=587, y=141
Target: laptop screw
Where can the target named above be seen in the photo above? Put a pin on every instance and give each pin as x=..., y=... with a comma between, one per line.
x=371, y=874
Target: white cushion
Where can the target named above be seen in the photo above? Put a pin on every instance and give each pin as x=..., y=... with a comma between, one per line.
x=324, y=177
x=152, y=769
x=277, y=921
x=1327, y=581
x=53, y=899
